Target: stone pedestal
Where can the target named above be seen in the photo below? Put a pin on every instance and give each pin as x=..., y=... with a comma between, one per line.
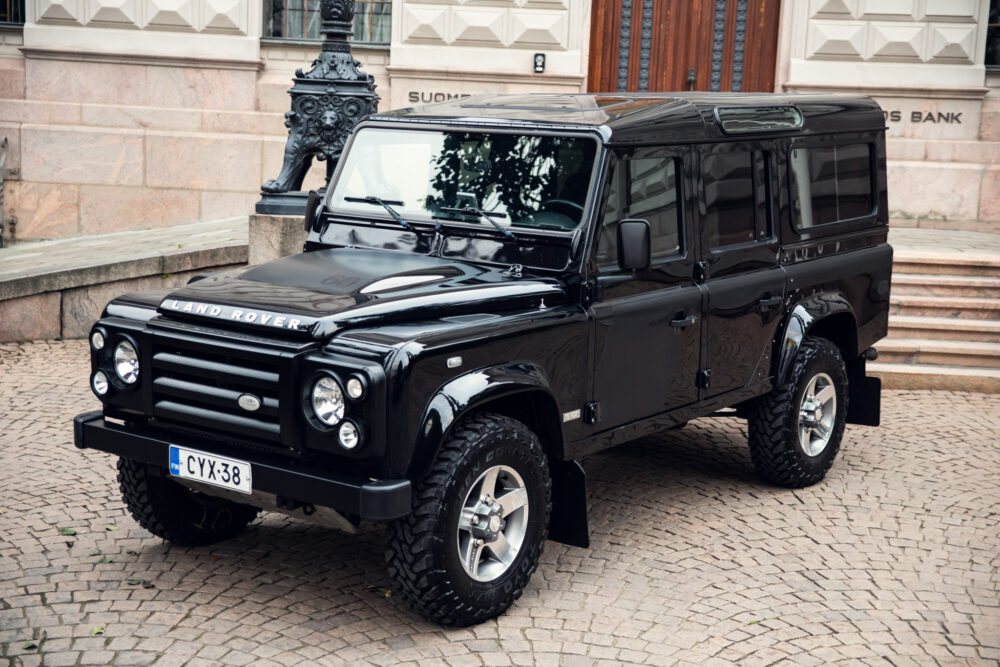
x=275, y=236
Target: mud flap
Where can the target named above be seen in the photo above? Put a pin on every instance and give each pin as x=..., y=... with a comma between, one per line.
x=568, y=523
x=865, y=402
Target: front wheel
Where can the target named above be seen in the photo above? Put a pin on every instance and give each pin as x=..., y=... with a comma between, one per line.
x=478, y=525
x=795, y=431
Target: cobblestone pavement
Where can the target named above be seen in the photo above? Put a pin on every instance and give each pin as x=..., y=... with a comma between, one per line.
x=895, y=555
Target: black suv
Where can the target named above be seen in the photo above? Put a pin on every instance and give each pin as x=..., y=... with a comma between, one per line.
x=492, y=289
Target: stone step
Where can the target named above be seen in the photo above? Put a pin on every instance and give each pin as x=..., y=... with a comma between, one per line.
x=977, y=354
x=944, y=328
x=928, y=284
x=926, y=376
x=964, y=307
x=978, y=266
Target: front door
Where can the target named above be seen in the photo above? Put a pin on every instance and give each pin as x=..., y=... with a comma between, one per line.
x=647, y=325
x=672, y=45
x=745, y=283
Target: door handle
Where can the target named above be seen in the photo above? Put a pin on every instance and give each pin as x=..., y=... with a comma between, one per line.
x=769, y=303
x=684, y=323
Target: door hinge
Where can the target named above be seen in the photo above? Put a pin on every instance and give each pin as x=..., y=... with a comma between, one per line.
x=701, y=271
x=705, y=378
x=591, y=412
x=593, y=292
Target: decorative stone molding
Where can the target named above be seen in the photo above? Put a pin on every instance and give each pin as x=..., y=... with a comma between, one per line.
x=228, y=30
x=907, y=44
x=220, y=16
x=524, y=24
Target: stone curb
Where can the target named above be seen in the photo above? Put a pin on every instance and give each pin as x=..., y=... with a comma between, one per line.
x=159, y=254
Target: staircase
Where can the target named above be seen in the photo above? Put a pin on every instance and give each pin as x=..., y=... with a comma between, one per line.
x=944, y=323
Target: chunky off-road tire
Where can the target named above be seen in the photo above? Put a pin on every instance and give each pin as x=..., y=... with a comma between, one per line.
x=776, y=422
x=175, y=513
x=428, y=552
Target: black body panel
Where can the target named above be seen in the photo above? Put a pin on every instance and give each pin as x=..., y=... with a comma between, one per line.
x=443, y=322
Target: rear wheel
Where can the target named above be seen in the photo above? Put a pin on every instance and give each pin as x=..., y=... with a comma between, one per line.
x=479, y=521
x=176, y=513
x=795, y=431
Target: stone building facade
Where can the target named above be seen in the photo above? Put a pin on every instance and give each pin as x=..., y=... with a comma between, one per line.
x=128, y=114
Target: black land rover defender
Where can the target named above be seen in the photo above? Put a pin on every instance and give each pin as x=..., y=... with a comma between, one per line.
x=493, y=288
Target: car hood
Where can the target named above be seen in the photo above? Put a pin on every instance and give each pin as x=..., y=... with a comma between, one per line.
x=320, y=292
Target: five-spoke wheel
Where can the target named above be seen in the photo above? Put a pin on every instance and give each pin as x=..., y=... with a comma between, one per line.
x=479, y=520
x=795, y=430
x=817, y=414
x=493, y=523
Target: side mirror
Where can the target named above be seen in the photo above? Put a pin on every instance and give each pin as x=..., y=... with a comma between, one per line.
x=633, y=245
x=313, y=206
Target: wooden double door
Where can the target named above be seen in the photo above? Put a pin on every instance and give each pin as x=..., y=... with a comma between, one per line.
x=674, y=45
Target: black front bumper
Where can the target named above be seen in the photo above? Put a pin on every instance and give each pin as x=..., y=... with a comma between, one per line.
x=380, y=500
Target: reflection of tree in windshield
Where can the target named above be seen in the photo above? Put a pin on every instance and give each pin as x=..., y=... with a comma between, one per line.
x=508, y=173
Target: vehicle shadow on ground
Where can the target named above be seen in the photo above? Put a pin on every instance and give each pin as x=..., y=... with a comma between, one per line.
x=335, y=579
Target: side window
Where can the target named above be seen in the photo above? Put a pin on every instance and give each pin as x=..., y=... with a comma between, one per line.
x=831, y=183
x=643, y=188
x=736, y=198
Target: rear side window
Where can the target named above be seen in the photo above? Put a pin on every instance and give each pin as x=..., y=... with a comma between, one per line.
x=736, y=198
x=831, y=183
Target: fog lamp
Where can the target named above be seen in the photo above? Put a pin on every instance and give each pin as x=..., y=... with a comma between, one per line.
x=99, y=383
x=348, y=435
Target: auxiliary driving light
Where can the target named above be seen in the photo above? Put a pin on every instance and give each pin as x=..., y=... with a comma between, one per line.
x=348, y=435
x=100, y=383
x=97, y=340
x=126, y=362
x=328, y=400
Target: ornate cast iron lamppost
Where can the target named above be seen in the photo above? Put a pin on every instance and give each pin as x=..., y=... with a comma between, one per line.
x=327, y=102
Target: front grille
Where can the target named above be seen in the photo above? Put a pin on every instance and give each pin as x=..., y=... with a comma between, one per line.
x=199, y=385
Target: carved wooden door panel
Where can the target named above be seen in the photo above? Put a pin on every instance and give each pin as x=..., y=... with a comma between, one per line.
x=671, y=45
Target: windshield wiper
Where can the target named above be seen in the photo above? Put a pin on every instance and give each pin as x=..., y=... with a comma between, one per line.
x=485, y=215
x=387, y=204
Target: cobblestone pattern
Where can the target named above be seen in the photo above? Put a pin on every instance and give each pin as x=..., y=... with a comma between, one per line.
x=895, y=555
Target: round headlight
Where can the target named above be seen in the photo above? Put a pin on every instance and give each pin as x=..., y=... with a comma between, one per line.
x=355, y=388
x=100, y=383
x=126, y=362
x=328, y=400
x=97, y=340
x=348, y=435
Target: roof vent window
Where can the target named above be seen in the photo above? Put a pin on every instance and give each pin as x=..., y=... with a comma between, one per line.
x=746, y=120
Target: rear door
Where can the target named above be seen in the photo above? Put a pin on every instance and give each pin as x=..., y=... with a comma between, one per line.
x=739, y=255
x=648, y=325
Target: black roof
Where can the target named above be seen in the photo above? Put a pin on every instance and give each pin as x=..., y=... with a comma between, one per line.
x=636, y=118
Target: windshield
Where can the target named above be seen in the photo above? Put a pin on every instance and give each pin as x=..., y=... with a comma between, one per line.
x=521, y=181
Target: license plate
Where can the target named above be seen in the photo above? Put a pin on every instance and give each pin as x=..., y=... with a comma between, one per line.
x=210, y=469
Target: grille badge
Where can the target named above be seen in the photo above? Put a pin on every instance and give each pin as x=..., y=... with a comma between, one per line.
x=249, y=402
